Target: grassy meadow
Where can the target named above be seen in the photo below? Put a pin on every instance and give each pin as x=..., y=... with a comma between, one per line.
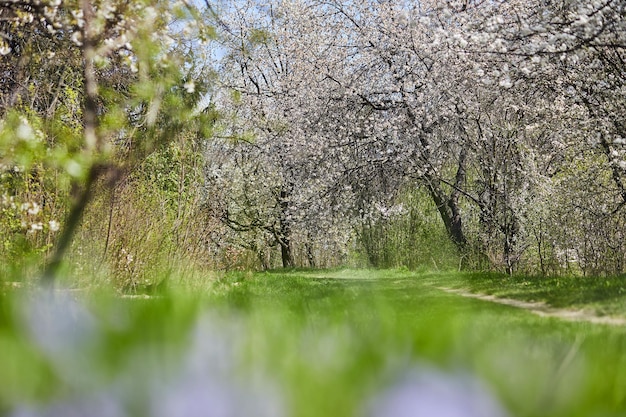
x=311, y=343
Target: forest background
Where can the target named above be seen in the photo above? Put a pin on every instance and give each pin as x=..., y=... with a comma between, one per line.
x=146, y=139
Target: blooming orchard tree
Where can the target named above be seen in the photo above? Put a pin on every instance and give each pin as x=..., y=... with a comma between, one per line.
x=504, y=117
x=276, y=139
x=492, y=107
x=571, y=53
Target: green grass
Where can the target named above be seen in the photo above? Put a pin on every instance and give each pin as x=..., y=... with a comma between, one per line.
x=303, y=343
x=605, y=296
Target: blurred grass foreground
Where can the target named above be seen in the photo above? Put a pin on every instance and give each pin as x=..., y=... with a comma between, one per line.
x=324, y=343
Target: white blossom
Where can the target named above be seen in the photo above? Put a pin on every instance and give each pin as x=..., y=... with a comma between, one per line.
x=34, y=209
x=190, y=86
x=54, y=225
x=4, y=48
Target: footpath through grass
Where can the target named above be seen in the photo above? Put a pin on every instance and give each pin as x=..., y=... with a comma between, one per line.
x=315, y=343
x=601, y=296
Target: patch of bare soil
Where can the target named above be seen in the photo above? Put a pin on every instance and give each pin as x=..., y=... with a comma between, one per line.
x=542, y=309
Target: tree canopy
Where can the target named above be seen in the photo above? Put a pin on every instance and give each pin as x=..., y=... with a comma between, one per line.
x=306, y=132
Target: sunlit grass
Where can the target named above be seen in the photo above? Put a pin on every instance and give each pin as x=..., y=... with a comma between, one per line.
x=604, y=295
x=305, y=343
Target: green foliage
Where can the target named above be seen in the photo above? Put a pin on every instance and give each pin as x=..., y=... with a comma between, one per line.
x=605, y=295
x=149, y=224
x=65, y=123
x=412, y=237
x=259, y=36
x=38, y=159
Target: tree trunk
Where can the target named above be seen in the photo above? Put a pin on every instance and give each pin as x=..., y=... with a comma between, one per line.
x=285, y=253
x=285, y=231
x=52, y=269
x=264, y=259
x=91, y=145
x=449, y=212
x=448, y=205
x=309, y=254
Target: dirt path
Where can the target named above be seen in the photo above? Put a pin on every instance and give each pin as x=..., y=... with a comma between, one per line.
x=542, y=309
